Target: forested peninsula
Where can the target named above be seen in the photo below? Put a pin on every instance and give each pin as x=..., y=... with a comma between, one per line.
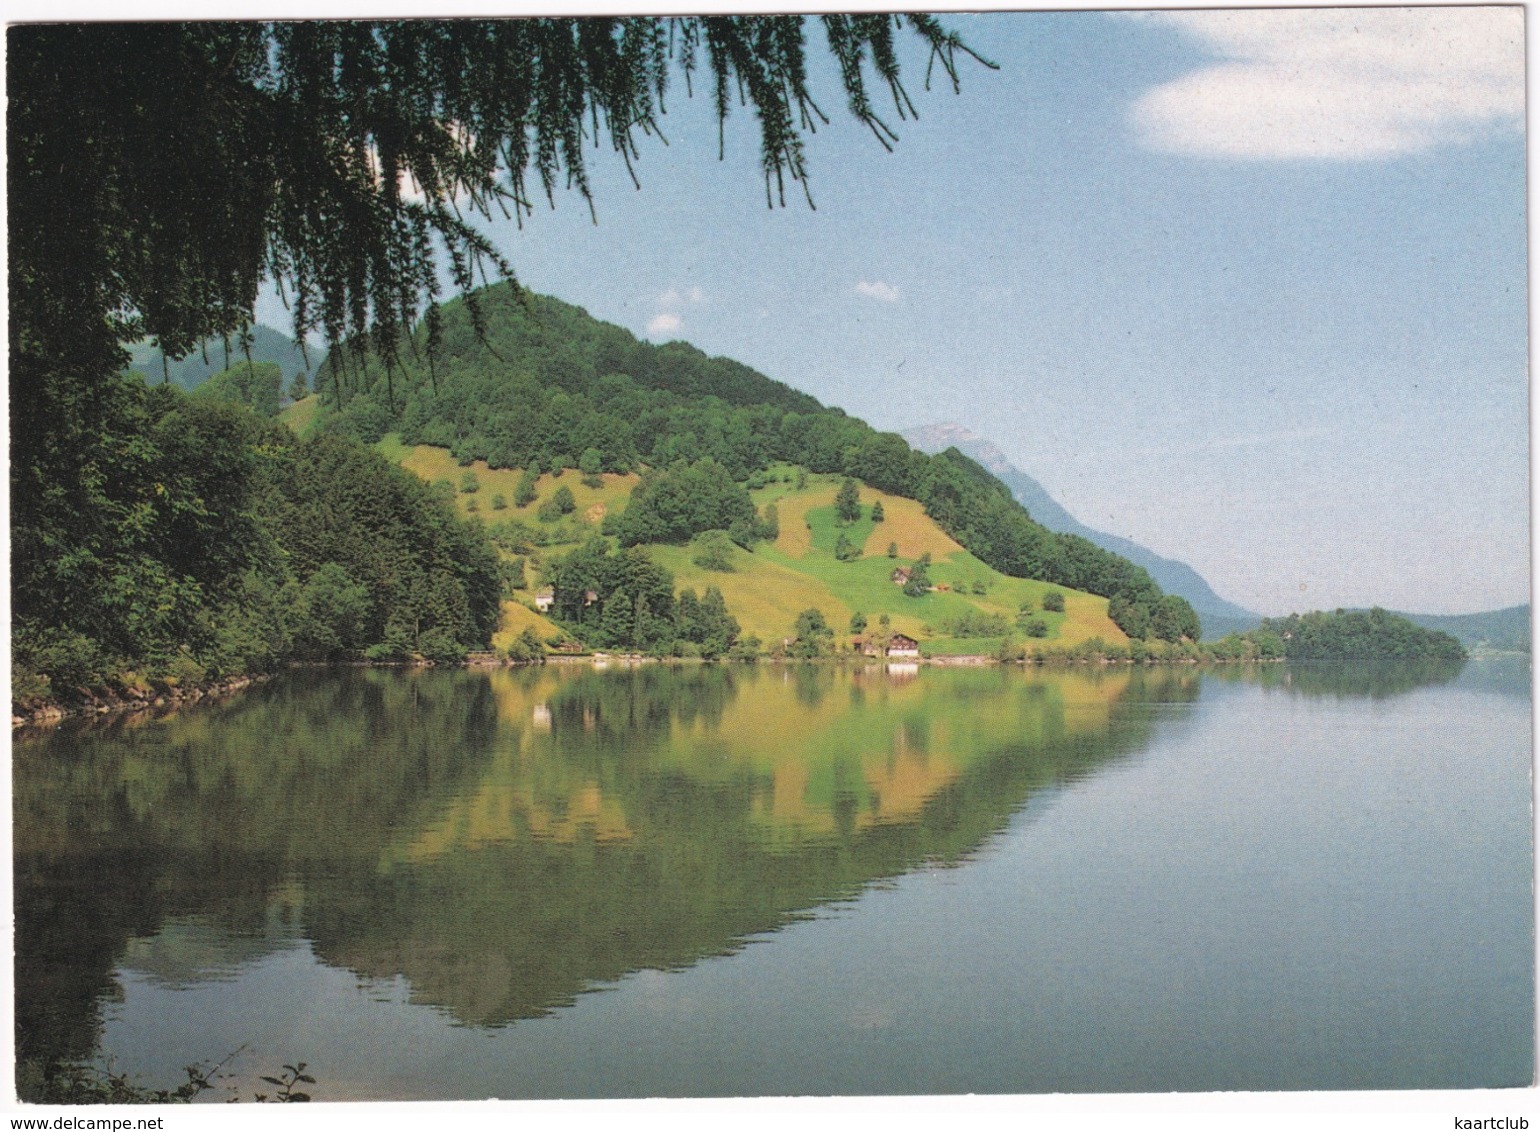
x=1339, y=636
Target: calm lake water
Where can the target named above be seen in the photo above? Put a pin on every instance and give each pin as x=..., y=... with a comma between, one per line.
x=759, y=881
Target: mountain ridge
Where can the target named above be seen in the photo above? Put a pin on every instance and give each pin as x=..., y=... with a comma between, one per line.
x=1219, y=616
x=267, y=345
x=1505, y=629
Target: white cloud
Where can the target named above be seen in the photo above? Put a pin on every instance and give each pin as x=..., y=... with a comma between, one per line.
x=1342, y=83
x=886, y=292
x=669, y=319
x=674, y=298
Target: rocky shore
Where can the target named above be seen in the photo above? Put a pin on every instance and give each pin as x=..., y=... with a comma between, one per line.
x=105, y=701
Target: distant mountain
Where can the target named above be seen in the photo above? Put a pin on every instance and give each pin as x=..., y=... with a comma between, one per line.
x=1218, y=615
x=268, y=345
x=1504, y=629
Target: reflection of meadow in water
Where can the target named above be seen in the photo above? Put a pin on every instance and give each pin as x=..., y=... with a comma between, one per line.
x=505, y=840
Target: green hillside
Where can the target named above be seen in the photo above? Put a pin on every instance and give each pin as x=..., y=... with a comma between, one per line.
x=545, y=389
x=767, y=588
x=300, y=415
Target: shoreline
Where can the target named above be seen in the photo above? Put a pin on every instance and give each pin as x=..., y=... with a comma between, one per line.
x=97, y=703
x=102, y=702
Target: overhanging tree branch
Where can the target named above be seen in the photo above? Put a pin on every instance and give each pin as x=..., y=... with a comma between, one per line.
x=160, y=173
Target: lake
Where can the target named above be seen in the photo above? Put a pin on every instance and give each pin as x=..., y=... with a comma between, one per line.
x=568, y=882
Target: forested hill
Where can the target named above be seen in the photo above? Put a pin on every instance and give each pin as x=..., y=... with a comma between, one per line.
x=1344, y=635
x=545, y=386
x=543, y=343
x=267, y=345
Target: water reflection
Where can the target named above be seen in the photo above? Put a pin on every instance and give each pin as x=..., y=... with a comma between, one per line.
x=508, y=840
x=505, y=841
x=1372, y=679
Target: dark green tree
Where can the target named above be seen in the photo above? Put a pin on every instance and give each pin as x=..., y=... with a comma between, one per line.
x=716, y=628
x=1173, y=619
x=878, y=514
x=813, y=635
x=675, y=503
x=257, y=385
x=527, y=648
x=847, y=502
x=619, y=619
x=591, y=463
x=1353, y=635
x=334, y=611
x=586, y=583
x=513, y=573
x=562, y=502
x=525, y=494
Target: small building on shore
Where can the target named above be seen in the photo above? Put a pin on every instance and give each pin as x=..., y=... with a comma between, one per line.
x=898, y=645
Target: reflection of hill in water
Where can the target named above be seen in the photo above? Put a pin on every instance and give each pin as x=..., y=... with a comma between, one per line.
x=1507, y=675
x=188, y=950
x=508, y=840
x=1373, y=679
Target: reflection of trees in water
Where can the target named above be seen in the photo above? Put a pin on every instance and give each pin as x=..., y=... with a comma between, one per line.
x=120, y=827
x=638, y=708
x=1161, y=684
x=811, y=683
x=1372, y=679
x=311, y=789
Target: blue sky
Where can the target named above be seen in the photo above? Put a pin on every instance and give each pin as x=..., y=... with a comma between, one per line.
x=1248, y=288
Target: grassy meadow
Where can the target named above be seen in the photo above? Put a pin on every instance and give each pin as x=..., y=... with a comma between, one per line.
x=300, y=415
x=431, y=464
x=766, y=589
